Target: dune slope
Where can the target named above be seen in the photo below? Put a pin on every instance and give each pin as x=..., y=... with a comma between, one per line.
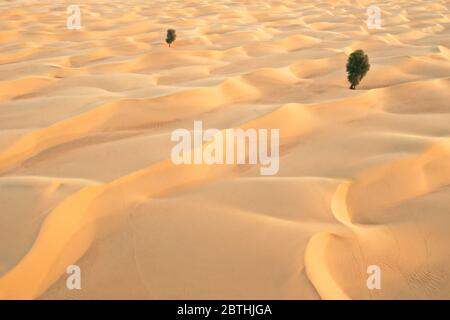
x=85, y=171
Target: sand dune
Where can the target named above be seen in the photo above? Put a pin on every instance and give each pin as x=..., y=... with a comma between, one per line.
x=86, y=176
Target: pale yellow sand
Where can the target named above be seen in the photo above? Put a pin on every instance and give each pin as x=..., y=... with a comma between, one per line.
x=86, y=176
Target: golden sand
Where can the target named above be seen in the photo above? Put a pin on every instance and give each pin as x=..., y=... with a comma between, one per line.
x=85, y=171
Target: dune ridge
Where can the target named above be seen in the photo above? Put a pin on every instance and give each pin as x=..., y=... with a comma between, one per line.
x=353, y=199
x=86, y=176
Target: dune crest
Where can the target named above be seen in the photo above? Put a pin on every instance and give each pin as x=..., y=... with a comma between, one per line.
x=86, y=177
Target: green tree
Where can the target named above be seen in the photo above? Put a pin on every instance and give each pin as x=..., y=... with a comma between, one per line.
x=357, y=67
x=171, y=36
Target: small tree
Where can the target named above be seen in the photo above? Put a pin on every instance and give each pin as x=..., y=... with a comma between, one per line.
x=171, y=36
x=357, y=67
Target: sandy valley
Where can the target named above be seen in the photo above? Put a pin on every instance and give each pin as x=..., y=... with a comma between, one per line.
x=86, y=178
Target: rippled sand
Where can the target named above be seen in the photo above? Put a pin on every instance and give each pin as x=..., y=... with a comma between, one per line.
x=85, y=171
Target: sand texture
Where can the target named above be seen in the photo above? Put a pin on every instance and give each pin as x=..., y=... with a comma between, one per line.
x=86, y=176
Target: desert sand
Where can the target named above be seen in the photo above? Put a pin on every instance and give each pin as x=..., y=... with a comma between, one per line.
x=86, y=176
